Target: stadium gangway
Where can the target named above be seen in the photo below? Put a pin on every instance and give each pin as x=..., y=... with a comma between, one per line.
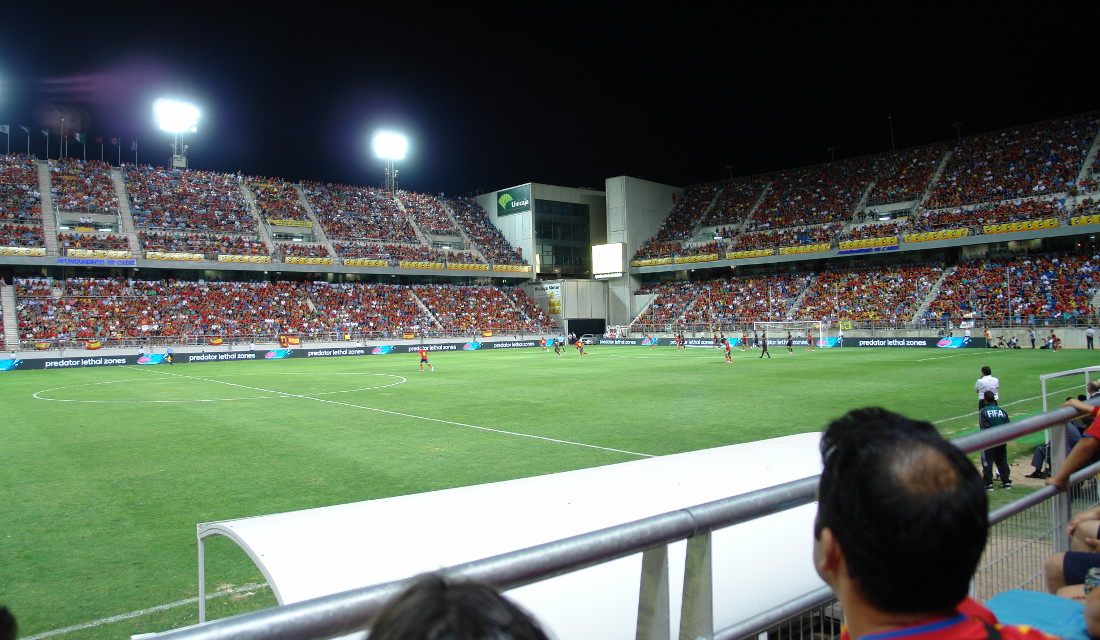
x=350, y=612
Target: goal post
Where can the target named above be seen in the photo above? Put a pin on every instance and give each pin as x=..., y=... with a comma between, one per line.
x=777, y=331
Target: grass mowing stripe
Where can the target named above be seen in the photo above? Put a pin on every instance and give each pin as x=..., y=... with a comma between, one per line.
x=409, y=415
x=144, y=612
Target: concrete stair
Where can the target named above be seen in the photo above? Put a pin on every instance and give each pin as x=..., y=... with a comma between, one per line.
x=319, y=231
x=933, y=293
x=49, y=216
x=261, y=227
x=125, y=213
x=11, y=324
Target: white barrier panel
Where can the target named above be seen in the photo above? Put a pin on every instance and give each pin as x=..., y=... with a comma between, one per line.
x=757, y=564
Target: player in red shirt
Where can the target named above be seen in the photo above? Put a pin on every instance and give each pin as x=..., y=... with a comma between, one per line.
x=424, y=360
x=729, y=351
x=580, y=348
x=542, y=343
x=810, y=346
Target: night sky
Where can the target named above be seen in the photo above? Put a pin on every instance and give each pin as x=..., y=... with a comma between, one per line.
x=566, y=94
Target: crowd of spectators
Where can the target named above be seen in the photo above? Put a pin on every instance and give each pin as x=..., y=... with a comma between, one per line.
x=470, y=309
x=21, y=235
x=392, y=253
x=875, y=230
x=278, y=200
x=83, y=186
x=680, y=223
x=359, y=213
x=870, y=293
x=20, y=200
x=428, y=213
x=735, y=202
x=110, y=241
x=1039, y=159
x=187, y=200
x=789, y=237
x=382, y=309
x=481, y=232
x=744, y=299
x=1021, y=288
x=813, y=195
x=107, y=308
x=978, y=215
x=903, y=175
x=302, y=249
x=205, y=243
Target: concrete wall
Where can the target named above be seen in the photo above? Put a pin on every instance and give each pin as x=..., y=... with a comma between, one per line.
x=635, y=210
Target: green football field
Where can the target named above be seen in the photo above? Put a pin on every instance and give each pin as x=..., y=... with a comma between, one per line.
x=105, y=472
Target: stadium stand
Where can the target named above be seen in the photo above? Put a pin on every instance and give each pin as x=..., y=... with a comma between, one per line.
x=277, y=200
x=93, y=241
x=428, y=214
x=82, y=186
x=20, y=201
x=869, y=293
x=186, y=200
x=122, y=311
x=1023, y=162
x=486, y=238
x=205, y=243
x=21, y=235
x=358, y=213
x=1023, y=288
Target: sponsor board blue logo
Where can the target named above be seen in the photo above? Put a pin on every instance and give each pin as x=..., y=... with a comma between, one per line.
x=382, y=350
x=156, y=358
x=277, y=354
x=952, y=343
x=471, y=346
x=9, y=364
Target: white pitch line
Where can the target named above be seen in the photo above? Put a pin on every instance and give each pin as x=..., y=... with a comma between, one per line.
x=137, y=614
x=409, y=415
x=1009, y=404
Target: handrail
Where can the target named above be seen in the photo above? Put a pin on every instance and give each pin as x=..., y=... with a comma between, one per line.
x=351, y=611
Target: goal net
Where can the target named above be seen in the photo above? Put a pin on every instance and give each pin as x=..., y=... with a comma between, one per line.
x=800, y=329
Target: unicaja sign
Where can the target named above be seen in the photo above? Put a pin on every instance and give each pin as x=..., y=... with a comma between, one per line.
x=514, y=200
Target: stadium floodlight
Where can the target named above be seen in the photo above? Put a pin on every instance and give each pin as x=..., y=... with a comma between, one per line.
x=390, y=146
x=177, y=117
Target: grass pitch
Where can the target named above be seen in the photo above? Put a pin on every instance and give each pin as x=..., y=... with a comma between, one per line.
x=106, y=471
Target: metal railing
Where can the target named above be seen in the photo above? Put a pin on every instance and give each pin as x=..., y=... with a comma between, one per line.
x=349, y=612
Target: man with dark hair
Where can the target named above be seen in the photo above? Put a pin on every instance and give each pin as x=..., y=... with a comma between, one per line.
x=987, y=383
x=988, y=417
x=433, y=607
x=901, y=524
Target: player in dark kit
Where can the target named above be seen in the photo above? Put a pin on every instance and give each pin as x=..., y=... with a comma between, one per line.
x=764, y=347
x=790, y=343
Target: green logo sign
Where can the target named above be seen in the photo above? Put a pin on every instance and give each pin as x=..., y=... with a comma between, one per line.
x=514, y=200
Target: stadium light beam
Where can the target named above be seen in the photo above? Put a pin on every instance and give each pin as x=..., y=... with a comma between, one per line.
x=390, y=146
x=177, y=117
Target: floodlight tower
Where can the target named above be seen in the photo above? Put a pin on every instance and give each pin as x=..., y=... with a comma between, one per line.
x=390, y=146
x=176, y=118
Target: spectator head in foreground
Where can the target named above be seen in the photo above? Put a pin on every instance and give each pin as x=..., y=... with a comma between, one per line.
x=901, y=520
x=433, y=608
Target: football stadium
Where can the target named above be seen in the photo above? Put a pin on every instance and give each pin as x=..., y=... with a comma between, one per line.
x=239, y=405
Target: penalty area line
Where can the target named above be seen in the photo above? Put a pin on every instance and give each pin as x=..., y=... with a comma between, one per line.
x=409, y=415
x=144, y=612
x=1009, y=404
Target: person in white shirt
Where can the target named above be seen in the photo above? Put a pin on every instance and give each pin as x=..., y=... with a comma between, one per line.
x=986, y=383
